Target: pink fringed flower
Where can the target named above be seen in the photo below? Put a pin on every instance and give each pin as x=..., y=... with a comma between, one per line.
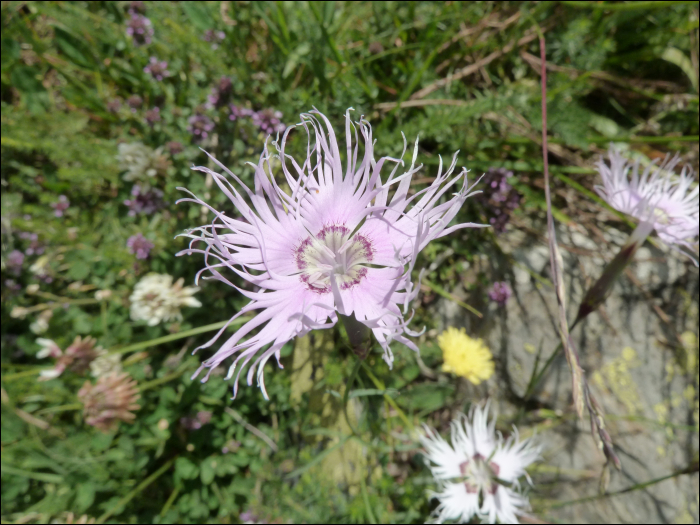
x=660, y=200
x=334, y=244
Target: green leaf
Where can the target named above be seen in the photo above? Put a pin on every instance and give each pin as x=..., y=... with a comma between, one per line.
x=197, y=14
x=207, y=471
x=76, y=49
x=85, y=495
x=185, y=469
x=678, y=58
x=10, y=52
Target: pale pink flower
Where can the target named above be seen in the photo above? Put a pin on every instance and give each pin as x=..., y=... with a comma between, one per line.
x=478, y=475
x=334, y=244
x=659, y=199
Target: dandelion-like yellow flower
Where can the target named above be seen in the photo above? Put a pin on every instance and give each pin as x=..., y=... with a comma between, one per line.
x=465, y=356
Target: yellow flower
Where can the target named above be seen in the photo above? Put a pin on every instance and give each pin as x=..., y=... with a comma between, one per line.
x=465, y=356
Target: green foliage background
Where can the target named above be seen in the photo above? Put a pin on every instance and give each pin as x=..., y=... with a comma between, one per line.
x=621, y=72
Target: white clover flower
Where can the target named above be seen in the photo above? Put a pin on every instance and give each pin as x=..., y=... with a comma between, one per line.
x=478, y=475
x=41, y=324
x=139, y=161
x=341, y=241
x=105, y=363
x=659, y=199
x=156, y=299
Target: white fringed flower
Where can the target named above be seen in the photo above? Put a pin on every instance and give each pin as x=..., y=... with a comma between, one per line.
x=156, y=299
x=478, y=475
x=339, y=241
x=659, y=199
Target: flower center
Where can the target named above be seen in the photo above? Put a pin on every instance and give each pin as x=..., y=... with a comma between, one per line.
x=333, y=251
x=480, y=475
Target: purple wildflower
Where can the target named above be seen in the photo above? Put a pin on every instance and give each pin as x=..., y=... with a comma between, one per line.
x=140, y=29
x=144, y=201
x=268, y=120
x=139, y=245
x=500, y=197
x=35, y=247
x=200, y=126
x=238, y=112
x=134, y=102
x=137, y=7
x=11, y=286
x=158, y=69
x=60, y=206
x=152, y=116
x=174, y=147
x=14, y=262
x=114, y=105
x=500, y=293
x=195, y=423
x=221, y=93
x=334, y=246
x=214, y=37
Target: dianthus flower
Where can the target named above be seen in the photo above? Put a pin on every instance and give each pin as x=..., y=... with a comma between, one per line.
x=464, y=356
x=478, y=475
x=659, y=199
x=156, y=299
x=332, y=246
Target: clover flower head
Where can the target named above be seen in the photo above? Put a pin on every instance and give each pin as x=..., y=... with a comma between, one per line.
x=141, y=162
x=156, y=299
x=340, y=241
x=464, y=356
x=76, y=358
x=139, y=246
x=105, y=363
x=41, y=323
x=479, y=473
x=666, y=202
x=110, y=400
